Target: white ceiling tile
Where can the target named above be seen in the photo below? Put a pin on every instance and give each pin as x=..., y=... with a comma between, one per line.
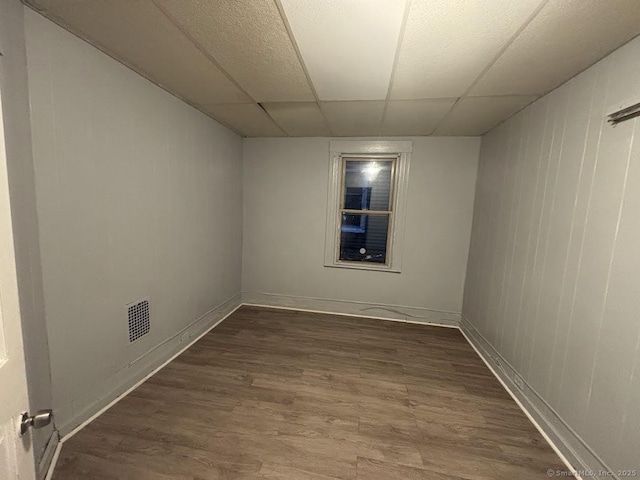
x=248, y=118
x=141, y=36
x=478, y=115
x=353, y=119
x=448, y=43
x=415, y=117
x=348, y=47
x=565, y=38
x=299, y=119
x=249, y=40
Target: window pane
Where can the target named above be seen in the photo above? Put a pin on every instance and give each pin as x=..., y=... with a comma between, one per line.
x=363, y=238
x=367, y=184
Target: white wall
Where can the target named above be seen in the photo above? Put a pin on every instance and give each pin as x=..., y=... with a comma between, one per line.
x=138, y=195
x=15, y=105
x=285, y=200
x=553, y=282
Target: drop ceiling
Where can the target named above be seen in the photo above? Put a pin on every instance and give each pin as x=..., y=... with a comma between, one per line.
x=268, y=68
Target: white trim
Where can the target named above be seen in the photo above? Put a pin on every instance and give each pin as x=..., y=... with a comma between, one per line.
x=333, y=198
x=370, y=146
x=324, y=312
x=149, y=375
x=49, y=454
x=381, y=311
x=133, y=387
x=340, y=149
x=97, y=395
x=509, y=387
x=54, y=460
x=522, y=407
x=570, y=447
x=400, y=210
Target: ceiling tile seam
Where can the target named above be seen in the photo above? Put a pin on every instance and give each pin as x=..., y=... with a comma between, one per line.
x=212, y=59
x=228, y=104
x=134, y=68
x=355, y=101
x=508, y=43
x=446, y=115
x=538, y=97
x=293, y=41
x=507, y=95
x=403, y=25
x=268, y=115
x=524, y=25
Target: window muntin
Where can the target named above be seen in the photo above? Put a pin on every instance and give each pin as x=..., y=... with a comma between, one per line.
x=365, y=215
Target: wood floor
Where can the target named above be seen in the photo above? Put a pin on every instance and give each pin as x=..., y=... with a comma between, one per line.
x=274, y=394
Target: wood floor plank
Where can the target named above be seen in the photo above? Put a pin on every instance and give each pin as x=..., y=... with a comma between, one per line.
x=277, y=394
x=372, y=469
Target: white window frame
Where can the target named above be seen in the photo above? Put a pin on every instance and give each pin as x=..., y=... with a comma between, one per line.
x=395, y=243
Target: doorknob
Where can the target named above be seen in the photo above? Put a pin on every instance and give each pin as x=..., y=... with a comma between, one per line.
x=42, y=418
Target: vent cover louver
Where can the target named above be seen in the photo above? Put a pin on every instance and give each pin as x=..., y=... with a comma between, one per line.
x=139, y=321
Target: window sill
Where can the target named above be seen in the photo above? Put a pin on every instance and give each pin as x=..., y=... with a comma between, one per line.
x=359, y=266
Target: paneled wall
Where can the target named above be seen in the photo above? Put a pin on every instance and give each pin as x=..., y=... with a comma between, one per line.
x=553, y=281
x=138, y=195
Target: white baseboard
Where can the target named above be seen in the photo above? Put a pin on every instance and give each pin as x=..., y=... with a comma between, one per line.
x=379, y=311
x=111, y=389
x=573, y=451
x=152, y=364
x=569, y=446
x=48, y=455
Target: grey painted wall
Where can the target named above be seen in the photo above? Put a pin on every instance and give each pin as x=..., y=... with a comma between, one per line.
x=285, y=201
x=15, y=105
x=138, y=195
x=553, y=281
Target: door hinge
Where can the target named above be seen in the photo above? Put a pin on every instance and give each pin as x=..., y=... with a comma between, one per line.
x=41, y=419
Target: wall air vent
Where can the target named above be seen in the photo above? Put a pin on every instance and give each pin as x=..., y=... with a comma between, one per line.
x=138, y=319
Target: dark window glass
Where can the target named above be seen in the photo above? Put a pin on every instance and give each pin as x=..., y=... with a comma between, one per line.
x=363, y=238
x=357, y=198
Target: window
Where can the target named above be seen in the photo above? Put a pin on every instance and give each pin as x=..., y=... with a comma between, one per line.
x=367, y=196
